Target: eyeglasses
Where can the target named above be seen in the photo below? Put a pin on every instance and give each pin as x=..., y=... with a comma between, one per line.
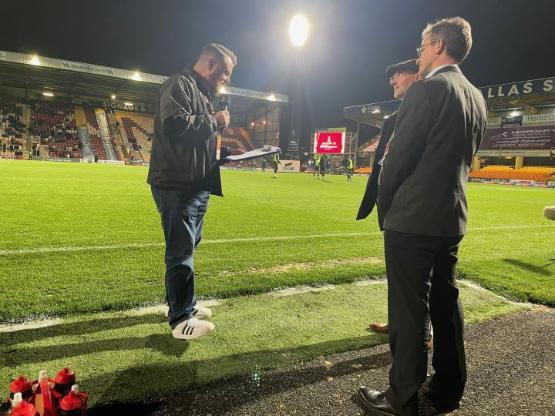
x=421, y=47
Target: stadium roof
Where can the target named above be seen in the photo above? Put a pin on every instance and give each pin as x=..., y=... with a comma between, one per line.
x=528, y=95
x=39, y=73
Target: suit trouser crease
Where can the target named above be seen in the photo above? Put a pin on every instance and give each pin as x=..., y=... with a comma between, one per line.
x=182, y=218
x=421, y=287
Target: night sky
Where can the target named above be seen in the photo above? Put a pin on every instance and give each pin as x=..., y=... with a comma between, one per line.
x=343, y=62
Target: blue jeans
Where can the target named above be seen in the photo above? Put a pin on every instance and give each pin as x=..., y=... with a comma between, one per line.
x=182, y=215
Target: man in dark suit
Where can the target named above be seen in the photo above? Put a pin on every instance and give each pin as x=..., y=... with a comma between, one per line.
x=401, y=76
x=423, y=211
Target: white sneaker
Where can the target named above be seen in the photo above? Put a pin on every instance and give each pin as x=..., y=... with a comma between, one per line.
x=192, y=328
x=199, y=312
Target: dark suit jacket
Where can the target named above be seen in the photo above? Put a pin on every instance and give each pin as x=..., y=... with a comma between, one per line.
x=422, y=185
x=371, y=192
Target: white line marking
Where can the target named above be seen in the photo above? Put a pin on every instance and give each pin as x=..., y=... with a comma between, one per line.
x=146, y=245
x=68, y=249
x=477, y=287
x=34, y=322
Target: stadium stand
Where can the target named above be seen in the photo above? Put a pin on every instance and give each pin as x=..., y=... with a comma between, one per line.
x=96, y=112
x=137, y=128
x=364, y=170
x=11, y=131
x=94, y=133
x=237, y=138
x=531, y=173
x=104, y=131
x=54, y=125
x=120, y=143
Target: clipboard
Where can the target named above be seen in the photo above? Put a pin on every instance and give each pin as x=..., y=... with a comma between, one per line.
x=253, y=154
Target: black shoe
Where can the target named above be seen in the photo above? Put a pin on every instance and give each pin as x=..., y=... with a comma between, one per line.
x=375, y=402
x=429, y=396
x=428, y=406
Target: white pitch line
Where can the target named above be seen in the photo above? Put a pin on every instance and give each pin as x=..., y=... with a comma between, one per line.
x=69, y=249
x=146, y=245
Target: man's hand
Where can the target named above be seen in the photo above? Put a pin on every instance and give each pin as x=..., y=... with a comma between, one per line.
x=223, y=118
x=227, y=151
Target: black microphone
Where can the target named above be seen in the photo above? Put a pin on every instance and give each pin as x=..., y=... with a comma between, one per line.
x=225, y=101
x=223, y=104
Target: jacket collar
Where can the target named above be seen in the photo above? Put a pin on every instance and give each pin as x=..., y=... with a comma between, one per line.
x=201, y=82
x=444, y=68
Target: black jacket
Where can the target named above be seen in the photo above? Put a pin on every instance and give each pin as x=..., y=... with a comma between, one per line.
x=371, y=192
x=184, y=143
x=422, y=185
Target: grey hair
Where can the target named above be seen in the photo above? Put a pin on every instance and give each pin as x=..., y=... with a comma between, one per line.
x=455, y=32
x=220, y=52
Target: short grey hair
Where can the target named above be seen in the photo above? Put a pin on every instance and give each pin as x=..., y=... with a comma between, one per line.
x=219, y=51
x=455, y=32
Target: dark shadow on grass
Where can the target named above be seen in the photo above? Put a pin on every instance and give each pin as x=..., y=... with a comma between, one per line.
x=164, y=343
x=529, y=267
x=78, y=328
x=149, y=382
x=237, y=379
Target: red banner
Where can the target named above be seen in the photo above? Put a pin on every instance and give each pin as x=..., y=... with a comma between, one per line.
x=329, y=142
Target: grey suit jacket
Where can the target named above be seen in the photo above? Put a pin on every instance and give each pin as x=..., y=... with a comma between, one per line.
x=422, y=185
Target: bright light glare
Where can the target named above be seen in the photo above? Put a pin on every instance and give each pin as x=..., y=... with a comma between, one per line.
x=136, y=76
x=35, y=60
x=271, y=97
x=298, y=30
x=128, y=104
x=113, y=96
x=48, y=94
x=515, y=113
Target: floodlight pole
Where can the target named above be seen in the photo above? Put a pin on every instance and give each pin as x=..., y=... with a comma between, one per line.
x=297, y=111
x=356, y=147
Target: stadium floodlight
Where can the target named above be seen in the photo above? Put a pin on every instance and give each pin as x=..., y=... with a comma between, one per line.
x=298, y=30
x=271, y=97
x=35, y=60
x=48, y=94
x=113, y=96
x=136, y=76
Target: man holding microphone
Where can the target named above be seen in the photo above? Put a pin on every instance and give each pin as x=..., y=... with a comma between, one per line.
x=184, y=171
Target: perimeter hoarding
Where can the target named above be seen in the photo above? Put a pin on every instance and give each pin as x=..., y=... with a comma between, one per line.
x=520, y=141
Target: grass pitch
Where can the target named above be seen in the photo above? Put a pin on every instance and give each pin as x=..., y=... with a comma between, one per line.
x=79, y=238
x=84, y=242
x=130, y=356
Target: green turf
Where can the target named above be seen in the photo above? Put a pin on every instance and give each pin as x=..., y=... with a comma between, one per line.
x=89, y=207
x=126, y=357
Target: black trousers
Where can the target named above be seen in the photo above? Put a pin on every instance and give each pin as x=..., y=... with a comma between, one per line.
x=421, y=287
